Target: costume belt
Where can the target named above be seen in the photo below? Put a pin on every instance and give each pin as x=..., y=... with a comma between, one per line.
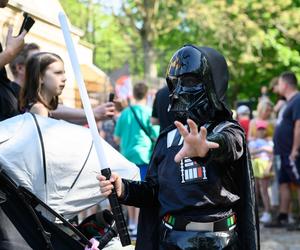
x=181, y=224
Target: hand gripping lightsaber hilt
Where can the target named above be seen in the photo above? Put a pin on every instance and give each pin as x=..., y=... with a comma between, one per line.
x=117, y=212
x=113, y=199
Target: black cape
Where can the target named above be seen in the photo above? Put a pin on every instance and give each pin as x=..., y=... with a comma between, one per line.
x=246, y=210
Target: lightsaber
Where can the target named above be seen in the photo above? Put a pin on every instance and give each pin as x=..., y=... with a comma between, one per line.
x=102, y=159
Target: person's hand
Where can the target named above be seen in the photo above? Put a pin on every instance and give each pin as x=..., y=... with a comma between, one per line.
x=104, y=111
x=107, y=185
x=95, y=244
x=195, y=143
x=268, y=170
x=14, y=44
x=294, y=154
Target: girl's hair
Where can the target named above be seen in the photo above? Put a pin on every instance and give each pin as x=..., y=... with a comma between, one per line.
x=263, y=106
x=35, y=69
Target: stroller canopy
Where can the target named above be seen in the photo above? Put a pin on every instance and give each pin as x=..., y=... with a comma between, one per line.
x=56, y=161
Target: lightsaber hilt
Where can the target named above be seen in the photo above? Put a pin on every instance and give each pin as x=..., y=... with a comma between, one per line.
x=102, y=159
x=117, y=212
x=111, y=233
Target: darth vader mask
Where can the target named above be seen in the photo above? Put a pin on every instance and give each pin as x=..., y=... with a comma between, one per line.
x=193, y=92
x=188, y=99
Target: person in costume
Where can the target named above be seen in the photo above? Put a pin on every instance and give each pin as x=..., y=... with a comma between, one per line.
x=199, y=188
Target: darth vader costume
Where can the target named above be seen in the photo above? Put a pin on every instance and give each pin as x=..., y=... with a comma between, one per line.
x=199, y=203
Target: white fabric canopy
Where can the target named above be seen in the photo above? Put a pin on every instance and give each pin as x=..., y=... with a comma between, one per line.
x=70, y=160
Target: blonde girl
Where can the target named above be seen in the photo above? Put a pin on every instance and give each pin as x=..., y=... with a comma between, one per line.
x=264, y=113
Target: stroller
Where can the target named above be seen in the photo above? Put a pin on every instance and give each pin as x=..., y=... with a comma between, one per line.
x=22, y=208
x=57, y=164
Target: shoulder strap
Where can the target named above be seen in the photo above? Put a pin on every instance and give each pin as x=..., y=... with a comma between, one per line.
x=79, y=173
x=140, y=124
x=42, y=146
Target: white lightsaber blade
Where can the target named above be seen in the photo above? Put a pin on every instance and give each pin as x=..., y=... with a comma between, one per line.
x=83, y=92
x=105, y=170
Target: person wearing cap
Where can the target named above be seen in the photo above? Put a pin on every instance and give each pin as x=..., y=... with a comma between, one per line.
x=243, y=117
x=261, y=150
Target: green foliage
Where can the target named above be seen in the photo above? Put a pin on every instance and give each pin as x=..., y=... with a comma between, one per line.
x=100, y=28
x=259, y=39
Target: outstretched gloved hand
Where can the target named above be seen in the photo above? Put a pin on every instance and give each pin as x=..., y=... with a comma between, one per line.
x=195, y=143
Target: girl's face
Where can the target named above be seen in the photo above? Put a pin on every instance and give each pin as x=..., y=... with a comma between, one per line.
x=261, y=133
x=265, y=114
x=53, y=80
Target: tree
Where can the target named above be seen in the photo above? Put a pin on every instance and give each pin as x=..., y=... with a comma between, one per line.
x=259, y=39
x=102, y=31
x=149, y=19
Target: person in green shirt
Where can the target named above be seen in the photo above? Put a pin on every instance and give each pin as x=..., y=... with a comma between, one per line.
x=135, y=134
x=135, y=143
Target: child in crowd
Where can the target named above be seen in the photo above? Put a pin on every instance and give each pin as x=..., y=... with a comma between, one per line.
x=264, y=113
x=261, y=150
x=44, y=81
x=243, y=117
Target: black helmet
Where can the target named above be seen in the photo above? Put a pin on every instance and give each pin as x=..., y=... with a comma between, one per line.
x=197, y=78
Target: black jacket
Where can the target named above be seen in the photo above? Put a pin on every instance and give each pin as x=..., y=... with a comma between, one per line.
x=230, y=187
x=8, y=96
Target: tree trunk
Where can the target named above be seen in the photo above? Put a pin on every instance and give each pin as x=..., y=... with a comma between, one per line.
x=149, y=62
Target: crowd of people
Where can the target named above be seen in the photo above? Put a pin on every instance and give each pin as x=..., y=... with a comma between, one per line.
x=273, y=140
x=38, y=81
x=190, y=166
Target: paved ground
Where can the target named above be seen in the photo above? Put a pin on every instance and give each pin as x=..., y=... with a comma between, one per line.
x=279, y=239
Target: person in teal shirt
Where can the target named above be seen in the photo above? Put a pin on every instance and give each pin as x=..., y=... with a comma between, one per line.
x=135, y=143
x=135, y=134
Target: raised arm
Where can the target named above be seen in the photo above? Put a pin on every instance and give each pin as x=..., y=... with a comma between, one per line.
x=13, y=46
x=195, y=143
x=101, y=112
x=225, y=143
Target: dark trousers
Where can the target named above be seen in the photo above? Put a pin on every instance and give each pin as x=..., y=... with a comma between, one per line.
x=193, y=240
